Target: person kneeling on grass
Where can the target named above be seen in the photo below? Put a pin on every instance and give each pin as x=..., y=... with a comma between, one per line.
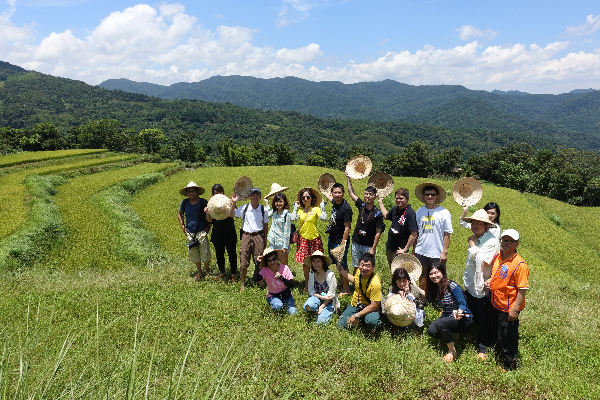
x=321, y=287
x=404, y=286
x=279, y=281
x=367, y=295
x=456, y=316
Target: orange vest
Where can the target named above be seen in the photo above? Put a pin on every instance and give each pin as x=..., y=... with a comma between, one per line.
x=503, y=287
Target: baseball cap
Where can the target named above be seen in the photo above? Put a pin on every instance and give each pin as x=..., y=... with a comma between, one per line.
x=510, y=233
x=254, y=190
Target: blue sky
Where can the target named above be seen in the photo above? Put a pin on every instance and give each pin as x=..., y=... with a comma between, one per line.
x=533, y=46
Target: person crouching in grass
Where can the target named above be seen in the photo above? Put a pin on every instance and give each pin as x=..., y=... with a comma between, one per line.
x=279, y=281
x=195, y=227
x=322, y=287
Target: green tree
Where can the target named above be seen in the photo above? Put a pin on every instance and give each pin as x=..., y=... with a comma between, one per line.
x=151, y=140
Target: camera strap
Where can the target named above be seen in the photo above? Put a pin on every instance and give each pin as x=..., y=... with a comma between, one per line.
x=367, y=288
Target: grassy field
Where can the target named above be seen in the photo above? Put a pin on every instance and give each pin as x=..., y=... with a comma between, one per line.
x=88, y=323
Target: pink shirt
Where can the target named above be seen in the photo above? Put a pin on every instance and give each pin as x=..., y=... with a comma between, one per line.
x=275, y=285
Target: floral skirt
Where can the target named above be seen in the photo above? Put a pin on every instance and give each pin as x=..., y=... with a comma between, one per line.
x=307, y=247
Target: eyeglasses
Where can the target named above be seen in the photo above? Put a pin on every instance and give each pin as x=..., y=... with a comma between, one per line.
x=306, y=197
x=508, y=241
x=429, y=194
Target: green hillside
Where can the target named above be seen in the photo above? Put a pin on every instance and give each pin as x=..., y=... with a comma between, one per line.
x=90, y=319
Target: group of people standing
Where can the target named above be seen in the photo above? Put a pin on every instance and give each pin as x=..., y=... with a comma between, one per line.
x=495, y=276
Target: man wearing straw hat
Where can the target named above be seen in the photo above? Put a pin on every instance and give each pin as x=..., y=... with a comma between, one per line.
x=483, y=245
x=196, y=227
x=255, y=227
x=435, y=226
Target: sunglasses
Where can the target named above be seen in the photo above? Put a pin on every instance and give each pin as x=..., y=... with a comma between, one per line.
x=271, y=259
x=429, y=194
x=306, y=197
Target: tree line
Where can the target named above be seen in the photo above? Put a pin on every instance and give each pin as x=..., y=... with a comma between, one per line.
x=568, y=175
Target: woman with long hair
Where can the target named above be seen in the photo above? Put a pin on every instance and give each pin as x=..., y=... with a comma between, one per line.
x=402, y=285
x=322, y=286
x=281, y=222
x=456, y=316
x=224, y=237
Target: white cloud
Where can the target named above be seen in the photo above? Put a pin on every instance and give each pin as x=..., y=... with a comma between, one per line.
x=301, y=55
x=294, y=11
x=468, y=32
x=591, y=25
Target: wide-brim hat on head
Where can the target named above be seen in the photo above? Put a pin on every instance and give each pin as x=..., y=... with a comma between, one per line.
x=441, y=192
x=359, y=167
x=467, y=191
x=192, y=184
x=314, y=192
x=317, y=253
x=219, y=207
x=338, y=252
x=384, y=183
x=399, y=310
x=242, y=188
x=326, y=182
x=268, y=250
x=410, y=263
x=479, y=215
x=276, y=188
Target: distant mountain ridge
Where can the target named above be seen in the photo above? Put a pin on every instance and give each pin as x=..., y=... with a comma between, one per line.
x=389, y=100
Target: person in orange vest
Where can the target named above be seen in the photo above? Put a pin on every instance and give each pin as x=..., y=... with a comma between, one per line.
x=508, y=285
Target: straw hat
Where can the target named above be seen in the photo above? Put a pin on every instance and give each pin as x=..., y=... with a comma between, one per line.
x=400, y=311
x=276, y=188
x=268, y=250
x=242, y=188
x=338, y=252
x=192, y=184
x=480, y=215
x=410, y=263
x=317, y=253
x=219, y=206
x=326, y=182
x=314, y=193
x=359, y=167
x=419, y=192
x=467, y=191
x=384, y=183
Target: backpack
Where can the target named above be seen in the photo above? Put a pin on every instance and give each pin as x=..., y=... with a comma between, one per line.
x=262, y=210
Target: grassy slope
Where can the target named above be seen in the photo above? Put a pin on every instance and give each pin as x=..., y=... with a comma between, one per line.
x=268, y=356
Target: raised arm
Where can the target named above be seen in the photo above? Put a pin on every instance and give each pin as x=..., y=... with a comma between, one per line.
x=382, y=208
x=323, y=215
x=353, y=196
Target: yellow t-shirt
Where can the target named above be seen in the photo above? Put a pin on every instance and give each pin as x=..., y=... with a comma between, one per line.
x=373, y=292
x=309, y=228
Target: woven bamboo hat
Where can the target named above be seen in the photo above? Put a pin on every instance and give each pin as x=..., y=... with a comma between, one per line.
x=480, y=215
x=384, y=183
x=192, y=184
x=314, y=193
x=359, y=167
x=400, y=311
x=467, y=191
x=326, y=182
x=338, y=252
x=441, y=192
x=268, y=250
x=242, y=188
x=410, y=263
x=276, y=188
x=219, y=206
x=317, y=253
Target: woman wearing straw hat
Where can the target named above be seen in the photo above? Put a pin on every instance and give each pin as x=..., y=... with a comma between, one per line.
x=279, y=281
x=483, y=245
x=224, y=237
x=309, y=238
x=321, y=287
x=196, y=227
x=281, y=221
x=493, y=212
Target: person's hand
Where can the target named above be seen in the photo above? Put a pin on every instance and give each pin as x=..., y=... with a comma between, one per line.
x=465, y=208
x=471, y=240
x=488, y=284
x=234, y=198
x=320, y=309
x=339, y=267
x=277, y=275
x=372, y=251
x=296, y=205
x=513, y=314
x=401, y=251
x=458, y=314
x=443, y=257
x=352, y=320
x=266, y=201
x=205, y=210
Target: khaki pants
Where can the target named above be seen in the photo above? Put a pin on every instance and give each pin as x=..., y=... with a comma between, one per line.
x=251, y=245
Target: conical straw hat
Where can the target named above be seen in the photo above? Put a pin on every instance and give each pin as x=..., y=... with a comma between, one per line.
x=384, y=183
x=400, y=311
x=276, y=188
x=338, y=252
x=480, y=215
x=242, y=188
x=219, y=206
x=192, y=184
x=359, y=167
x=268, y=250
x=419, y=192
x=467, y=191
x=410, y=263
x=326, y=182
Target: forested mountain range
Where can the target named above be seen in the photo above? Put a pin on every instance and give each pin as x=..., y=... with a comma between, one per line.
x=28, y=97
x=450, y=106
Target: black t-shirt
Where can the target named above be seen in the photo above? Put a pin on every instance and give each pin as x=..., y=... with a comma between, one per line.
x=368, y=221
x=223, y=232
x=404, y=222
x=340, y=213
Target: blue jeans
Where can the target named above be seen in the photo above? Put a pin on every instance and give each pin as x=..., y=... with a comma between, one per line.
x=372, y=319
x=313, y=304
x=277, y=304
x=332, y=245
x=357, y=252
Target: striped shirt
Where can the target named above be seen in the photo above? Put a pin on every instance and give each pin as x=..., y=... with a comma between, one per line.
x=453, y=299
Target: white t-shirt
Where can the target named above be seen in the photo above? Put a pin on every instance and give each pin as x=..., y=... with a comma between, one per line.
x=432, y=223
x=252, y=222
